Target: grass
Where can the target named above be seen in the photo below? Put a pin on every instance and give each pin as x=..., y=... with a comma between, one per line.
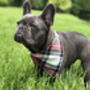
x=17, y=70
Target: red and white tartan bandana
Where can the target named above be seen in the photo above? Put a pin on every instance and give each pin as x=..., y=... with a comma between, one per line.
x=50, y=58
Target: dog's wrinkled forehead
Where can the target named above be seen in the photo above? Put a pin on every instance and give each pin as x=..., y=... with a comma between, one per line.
x=33, y=20
x=29, y=18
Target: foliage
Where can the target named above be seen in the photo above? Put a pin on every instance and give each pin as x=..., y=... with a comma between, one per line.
x=38, y=4
x=3, y=2
x=61, y=4
x=17, y=70
x=15, y=2
x=80, y=6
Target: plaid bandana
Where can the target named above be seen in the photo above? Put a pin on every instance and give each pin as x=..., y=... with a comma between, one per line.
x=50, y=58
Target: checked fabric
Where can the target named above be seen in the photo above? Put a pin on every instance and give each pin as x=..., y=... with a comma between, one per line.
x=50, y=59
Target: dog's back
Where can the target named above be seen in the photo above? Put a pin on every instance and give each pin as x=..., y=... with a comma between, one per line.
x=74, y=43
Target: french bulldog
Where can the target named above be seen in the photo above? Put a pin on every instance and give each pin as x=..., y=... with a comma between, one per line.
x=35, y=32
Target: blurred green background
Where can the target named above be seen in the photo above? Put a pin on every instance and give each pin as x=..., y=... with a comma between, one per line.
x=80, y=8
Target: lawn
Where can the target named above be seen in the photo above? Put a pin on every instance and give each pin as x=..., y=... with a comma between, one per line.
x=17, y=70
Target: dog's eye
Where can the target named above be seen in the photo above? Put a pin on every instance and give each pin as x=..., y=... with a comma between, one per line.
x=32, y=25
x=18, y=22
x=24, y=23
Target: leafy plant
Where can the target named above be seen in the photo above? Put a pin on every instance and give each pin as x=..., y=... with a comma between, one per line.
x=3, y=2
x=61, y=4
x=15, y=2
x=38, y=4
x=80, y=6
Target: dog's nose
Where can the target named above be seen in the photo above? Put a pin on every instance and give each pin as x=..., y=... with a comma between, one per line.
x=18, y=37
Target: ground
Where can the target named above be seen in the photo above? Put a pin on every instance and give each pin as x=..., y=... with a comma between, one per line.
x=17, y=70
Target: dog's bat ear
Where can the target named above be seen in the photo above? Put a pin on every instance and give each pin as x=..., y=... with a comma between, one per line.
x=48, y=14
x=26, y=7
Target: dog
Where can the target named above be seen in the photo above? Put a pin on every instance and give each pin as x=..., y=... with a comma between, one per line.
x=36, y=34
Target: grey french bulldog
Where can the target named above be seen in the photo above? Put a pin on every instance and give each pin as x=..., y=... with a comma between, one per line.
x=35, y=33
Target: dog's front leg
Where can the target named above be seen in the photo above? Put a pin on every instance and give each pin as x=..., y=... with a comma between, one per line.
x=39, y=72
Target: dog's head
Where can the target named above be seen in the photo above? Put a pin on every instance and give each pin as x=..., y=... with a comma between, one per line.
x=32, y=30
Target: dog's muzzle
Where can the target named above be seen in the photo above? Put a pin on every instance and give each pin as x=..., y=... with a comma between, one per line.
x=18, y=37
